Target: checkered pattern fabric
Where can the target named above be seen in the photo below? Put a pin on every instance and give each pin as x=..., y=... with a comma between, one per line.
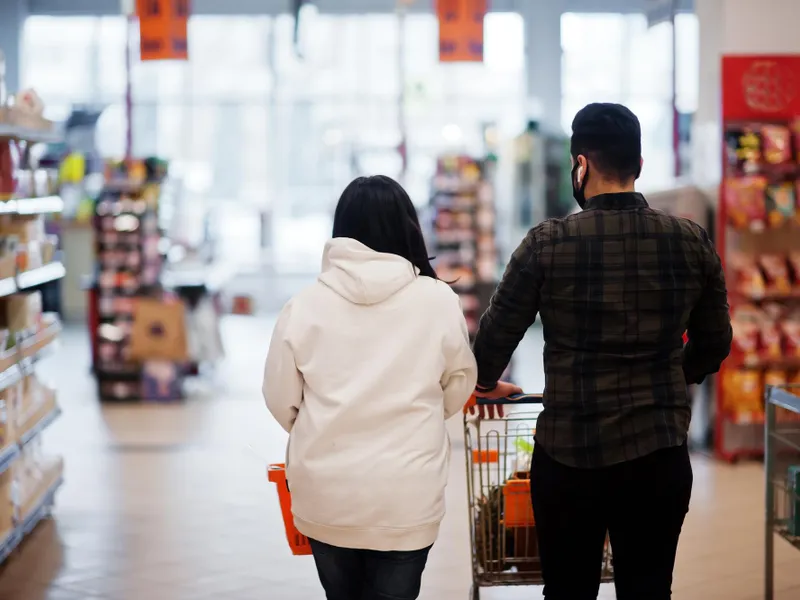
x=616, y=286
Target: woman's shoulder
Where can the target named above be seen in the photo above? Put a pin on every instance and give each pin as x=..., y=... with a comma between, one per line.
x=435, y=290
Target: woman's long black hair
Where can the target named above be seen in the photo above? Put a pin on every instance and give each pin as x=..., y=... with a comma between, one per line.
x=377, y=212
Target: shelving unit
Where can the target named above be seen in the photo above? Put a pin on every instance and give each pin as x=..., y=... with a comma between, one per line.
x=464, y=232
x=129, y=271
x=28, y=481
x=758, y=239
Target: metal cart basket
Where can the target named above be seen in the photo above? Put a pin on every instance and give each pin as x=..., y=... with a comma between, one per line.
x=502, y=527
x=782, y=471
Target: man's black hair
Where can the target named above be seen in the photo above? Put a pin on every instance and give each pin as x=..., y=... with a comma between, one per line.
x=609, y=135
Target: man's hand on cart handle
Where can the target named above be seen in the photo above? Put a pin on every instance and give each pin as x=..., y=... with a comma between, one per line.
x=503, y=389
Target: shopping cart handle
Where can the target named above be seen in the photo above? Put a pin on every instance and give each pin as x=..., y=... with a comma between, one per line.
x=515, y=399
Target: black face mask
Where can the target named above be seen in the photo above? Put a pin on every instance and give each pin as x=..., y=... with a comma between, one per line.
x=579, y=193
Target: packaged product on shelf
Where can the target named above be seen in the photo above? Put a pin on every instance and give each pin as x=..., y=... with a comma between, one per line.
x=790, y=330
x=7, y=512
x=21, y=312
x=794, y=266
x=776, y=144
x=743, y=150
x=795, y=127
x=748, y=278
x=746, y=202
x=776, y=271
x=770, y=347
x=780, y=203
x=746, y=331
x=743, y=393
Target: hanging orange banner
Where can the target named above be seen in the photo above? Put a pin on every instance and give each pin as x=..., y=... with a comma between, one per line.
x=163, y=29
x=461, y=30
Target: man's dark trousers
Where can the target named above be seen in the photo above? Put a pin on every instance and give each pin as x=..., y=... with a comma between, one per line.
x=641, y=504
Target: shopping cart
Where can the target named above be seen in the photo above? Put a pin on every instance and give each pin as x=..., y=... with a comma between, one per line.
x=502, y=527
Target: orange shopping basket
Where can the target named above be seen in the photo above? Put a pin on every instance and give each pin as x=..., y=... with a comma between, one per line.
x=298, y=543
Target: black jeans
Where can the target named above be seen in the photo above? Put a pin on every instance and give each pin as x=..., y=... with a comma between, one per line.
x=348, y=574
x=641, y=504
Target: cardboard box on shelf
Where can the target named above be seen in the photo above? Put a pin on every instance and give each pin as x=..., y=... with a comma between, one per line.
x=25, y=229
x=159, y=331
x=21, y=312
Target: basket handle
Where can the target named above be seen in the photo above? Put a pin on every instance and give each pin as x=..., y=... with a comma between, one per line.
x=515, y=399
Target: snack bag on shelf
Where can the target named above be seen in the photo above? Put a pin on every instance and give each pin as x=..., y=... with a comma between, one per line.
x=770, y=347
x=790, y=330
x=776, y=144
x=746, y=202
x=794, y=267
x=795, y=127
x=743, y=150
x=744, y=348
x=780, y=203
x=747, y=277
x=743, y=395
x=776, y=270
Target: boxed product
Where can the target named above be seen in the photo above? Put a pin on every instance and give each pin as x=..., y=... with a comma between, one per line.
x=159, y=331
x=21, y=312
x=24, y=229
x=161, y=381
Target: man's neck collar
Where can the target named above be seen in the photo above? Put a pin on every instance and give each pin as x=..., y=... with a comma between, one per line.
x=616, y=201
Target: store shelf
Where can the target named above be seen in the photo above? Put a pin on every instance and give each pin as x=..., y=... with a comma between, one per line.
x=9, y=543
x=40, y=425
x=28, y=134
x=40, y=275
x=7, y=456
x=32, y=206
x=41, y=342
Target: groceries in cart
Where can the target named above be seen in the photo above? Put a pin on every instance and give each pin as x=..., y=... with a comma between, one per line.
x=505, y=549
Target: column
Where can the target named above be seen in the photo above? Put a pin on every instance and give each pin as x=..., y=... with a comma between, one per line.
x=543, y=60
x=733, y=27
x=12, y=19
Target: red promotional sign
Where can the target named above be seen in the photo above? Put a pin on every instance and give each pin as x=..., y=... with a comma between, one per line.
x=760, y=87
x=461, y=30
x=163, y=29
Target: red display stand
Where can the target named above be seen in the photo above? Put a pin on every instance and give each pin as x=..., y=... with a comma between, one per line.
x=758, y=236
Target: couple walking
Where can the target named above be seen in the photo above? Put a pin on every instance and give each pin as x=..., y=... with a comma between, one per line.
x=366, y=365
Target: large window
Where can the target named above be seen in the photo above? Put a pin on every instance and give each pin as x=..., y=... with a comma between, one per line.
x=617, y=58
x=253, y=126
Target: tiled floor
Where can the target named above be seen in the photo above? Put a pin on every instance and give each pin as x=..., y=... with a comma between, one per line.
x=171, y=503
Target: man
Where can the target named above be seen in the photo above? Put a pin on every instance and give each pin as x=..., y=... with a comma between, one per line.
x=616, y=286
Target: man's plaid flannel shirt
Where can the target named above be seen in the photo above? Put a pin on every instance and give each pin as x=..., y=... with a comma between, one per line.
x=616, y=286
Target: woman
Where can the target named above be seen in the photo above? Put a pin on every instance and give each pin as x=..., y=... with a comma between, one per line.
x=363, y=369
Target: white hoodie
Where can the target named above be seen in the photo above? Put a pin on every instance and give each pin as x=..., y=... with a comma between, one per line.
x=363, y=369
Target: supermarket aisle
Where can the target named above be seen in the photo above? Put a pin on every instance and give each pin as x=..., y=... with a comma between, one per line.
x=171, y=503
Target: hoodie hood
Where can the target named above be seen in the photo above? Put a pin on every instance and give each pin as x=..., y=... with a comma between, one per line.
x=361, y=275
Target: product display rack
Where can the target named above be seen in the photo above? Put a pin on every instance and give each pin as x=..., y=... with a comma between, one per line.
x=129, y=266
x=28, y=482
x=782, y=480
x=758, y=239
x=464, y=232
